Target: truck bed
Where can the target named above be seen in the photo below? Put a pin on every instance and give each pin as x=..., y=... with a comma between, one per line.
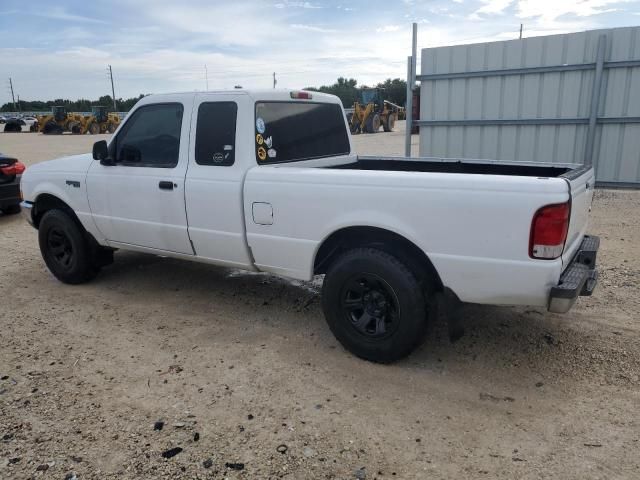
x=482, y=167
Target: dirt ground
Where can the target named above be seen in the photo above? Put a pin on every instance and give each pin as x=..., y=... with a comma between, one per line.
x=250, y=383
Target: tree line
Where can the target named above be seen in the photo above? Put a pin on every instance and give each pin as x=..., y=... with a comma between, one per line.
x=81, y=105
x=347, y=90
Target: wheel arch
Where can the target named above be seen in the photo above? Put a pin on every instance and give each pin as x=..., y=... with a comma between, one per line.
x=47, y=201
x=366, y=236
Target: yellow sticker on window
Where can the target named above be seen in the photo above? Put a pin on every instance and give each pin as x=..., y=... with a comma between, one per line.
x=259, y=139
x=262, y=153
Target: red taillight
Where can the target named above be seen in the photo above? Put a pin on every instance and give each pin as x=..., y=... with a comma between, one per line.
x=549, y=231
x=301, y=95
x=13, y=169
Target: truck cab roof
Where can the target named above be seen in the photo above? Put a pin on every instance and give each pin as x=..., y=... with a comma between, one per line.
x=256, y=94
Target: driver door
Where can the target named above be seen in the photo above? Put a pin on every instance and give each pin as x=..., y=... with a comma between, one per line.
x=140, y=200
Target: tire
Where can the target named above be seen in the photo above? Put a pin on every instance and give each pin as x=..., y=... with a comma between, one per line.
x=389, y=123
x=94, y=128
x=75, y=128
x=372, y=124
x=11, y=209
x=52, y=128
x=65, y=248
x=112, y=127
x=374, y=305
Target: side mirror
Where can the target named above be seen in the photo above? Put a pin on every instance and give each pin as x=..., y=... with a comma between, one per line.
x=101, y=152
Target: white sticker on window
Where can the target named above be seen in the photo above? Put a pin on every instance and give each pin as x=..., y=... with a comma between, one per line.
x=260, y=125
x=272, y=153
x=228, y=148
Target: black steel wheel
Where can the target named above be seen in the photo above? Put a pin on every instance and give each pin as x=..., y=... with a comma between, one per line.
x=61, y=248
x=370, y=305
x=374, y=305
x=65, y=248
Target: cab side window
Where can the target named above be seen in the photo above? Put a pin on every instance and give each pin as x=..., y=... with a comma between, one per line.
x=216, y=133
x=151, y=137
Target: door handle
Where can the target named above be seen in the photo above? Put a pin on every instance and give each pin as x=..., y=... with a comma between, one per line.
x=166, y=185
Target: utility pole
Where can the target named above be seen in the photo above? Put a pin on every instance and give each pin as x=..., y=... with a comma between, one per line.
x=19, y=109
x=521, y=31
x=411, y=83
x=274, y=80
x=206, y=76
x=12, y=96
x=113, y=92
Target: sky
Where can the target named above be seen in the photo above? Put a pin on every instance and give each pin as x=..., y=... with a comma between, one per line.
x=62, y=49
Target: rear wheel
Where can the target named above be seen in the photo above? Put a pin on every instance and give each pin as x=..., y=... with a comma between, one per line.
x=389, y=123
x=112, y=127
x=65, y=248
x=374, y=305
x=94, y=128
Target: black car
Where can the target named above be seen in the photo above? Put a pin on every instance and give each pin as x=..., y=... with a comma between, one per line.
x=10, y=172
x=14, y=124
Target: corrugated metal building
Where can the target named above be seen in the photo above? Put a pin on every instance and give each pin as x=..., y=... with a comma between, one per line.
x=571, y=98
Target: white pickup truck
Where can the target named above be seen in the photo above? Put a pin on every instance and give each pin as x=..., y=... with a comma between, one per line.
x=267, y=181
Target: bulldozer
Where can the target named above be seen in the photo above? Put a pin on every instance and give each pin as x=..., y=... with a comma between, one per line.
x=371, y=111
x=59, y=121
x=101, y=121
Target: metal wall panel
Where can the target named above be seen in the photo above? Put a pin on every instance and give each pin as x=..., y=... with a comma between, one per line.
x=563, y=94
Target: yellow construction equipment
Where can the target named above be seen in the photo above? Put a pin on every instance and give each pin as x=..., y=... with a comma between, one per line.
x=101, y=121
x=371, y=111
x=59, y=121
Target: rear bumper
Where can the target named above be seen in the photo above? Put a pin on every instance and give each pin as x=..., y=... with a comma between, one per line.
x=578, y=279
x=10, y=193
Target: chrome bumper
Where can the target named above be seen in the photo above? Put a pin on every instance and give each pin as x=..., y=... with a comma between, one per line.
x=26, y=209
x=578, y=279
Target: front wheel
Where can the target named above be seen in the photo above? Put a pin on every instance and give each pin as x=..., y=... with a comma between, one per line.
x=374, y=305
x=65, y=248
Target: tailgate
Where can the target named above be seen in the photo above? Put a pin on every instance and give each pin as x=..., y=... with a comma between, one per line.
x=581, y=185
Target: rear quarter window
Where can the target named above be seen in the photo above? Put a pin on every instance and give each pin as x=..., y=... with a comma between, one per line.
x=294, y=131
x=216, y=133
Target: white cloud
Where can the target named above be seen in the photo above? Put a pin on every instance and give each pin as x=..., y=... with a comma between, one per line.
x=311, y=28
x=293, y=4
x=553, y=9
x=492, y=7
x=388, y=28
